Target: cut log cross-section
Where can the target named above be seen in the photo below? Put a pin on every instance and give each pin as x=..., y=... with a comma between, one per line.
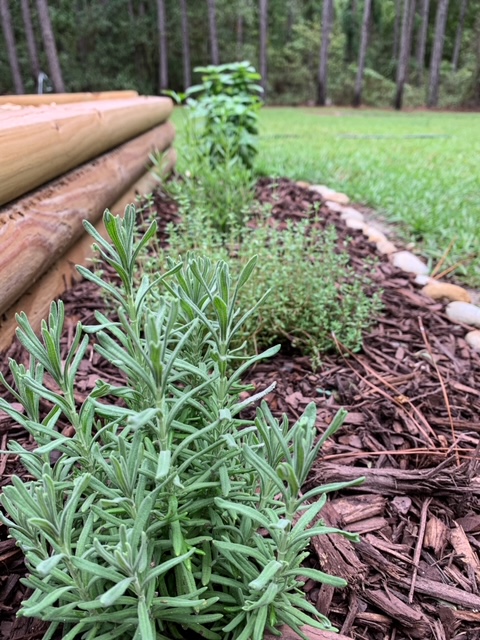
x=38, y=144
x=36, y=230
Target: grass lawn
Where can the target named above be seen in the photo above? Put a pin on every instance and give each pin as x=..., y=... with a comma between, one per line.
x=421, y=169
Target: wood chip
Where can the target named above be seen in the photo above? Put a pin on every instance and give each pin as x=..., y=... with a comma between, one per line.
x=415, y=622
x=463, y=548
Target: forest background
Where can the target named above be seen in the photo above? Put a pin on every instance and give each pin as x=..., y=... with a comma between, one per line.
x=402, y=53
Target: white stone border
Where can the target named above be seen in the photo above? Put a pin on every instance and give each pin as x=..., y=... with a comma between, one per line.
x=459, y=309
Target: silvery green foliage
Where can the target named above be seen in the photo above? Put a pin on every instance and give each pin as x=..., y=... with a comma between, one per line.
x=166, y=513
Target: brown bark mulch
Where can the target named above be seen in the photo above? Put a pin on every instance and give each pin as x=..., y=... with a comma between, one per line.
x=411, y=431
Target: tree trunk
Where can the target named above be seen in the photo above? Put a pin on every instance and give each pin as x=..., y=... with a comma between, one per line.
x=263, y=44
x=50, y=46
x=357, y=100
x=327, y=24
x=459, y=35
x=422, y=40
x=405, y=45
x=240, y=35
x=411, y=22
x=30, y=37
x=440, y=22
x=10, y=44
x=187, y=76
x=162, y=46
x=476, y=78
x=396, y=28
x=212, y=26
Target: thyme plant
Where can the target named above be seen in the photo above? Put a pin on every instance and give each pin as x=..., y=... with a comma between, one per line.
x=167, y=513
x=311, y=290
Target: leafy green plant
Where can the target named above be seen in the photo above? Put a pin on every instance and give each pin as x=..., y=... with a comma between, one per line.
x=223, y=110
x=219, y=143
x=167, y=513
x=313, y=294
x=224, y=193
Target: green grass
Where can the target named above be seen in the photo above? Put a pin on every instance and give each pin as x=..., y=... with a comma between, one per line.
x=429, y=186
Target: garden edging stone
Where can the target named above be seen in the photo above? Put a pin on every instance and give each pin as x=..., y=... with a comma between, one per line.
x=460, y=308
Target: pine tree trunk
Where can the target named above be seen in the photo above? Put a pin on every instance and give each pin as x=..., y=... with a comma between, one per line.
x=357, y=100
x=30, y=37
x=327, y=24
x=212, y=26
x=411, y=22
x=422, y=40
x=263, y=44
x=405, y=45
x=476, y=77
x=240, y=35
x=50, y=46
x=440, y=22
x=187, y=75
x=10, y=44
x=459, y=35
x=396, y=28
x=162, y=46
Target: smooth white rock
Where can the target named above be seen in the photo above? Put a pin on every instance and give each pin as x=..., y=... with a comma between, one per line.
x=409, y=262
x=350, y=212
x=374, y=235
x=330, y=194
x=464, y=312
x=422, y=280
x=385, y=247
x=353, y=223
x=334, y=206
x=473, y=339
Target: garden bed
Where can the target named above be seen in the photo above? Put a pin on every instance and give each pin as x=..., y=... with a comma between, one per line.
x=412, y=431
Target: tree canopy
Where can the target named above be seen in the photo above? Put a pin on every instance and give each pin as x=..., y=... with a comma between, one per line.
x=117, y=44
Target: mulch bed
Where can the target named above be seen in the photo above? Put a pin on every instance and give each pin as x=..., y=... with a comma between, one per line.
x=411, y=431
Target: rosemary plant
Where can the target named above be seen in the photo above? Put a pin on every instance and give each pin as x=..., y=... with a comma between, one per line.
x=167, y=513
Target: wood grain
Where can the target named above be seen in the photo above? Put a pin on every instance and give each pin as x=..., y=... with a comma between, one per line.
x=33, y=99
x=38, y=144
x=63, y=274
x=36, y=230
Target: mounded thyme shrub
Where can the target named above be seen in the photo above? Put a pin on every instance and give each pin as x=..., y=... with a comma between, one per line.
x=313, y=296
x=166, y=513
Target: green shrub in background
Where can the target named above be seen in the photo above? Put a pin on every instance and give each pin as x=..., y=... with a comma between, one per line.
x=219, y=143
x=223, y=113
x=167, y=515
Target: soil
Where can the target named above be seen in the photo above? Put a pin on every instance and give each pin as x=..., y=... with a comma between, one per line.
x=411, y=431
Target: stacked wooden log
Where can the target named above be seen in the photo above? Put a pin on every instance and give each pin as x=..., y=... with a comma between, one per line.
x=65, y=158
